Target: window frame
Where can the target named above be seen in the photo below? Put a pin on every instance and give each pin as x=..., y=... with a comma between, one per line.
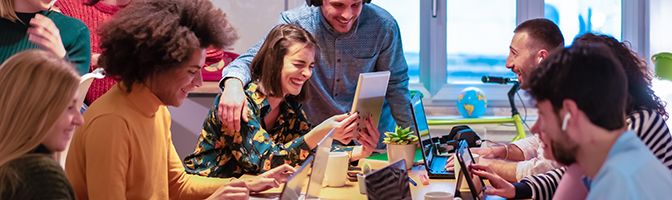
x=433, y=48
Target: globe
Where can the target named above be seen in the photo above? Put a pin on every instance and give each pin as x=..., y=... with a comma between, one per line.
x=471, y=102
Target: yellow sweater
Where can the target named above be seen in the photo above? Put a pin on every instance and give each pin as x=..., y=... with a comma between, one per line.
x=124, y=151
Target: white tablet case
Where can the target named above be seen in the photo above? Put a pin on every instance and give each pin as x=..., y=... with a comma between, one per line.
x=370, y=95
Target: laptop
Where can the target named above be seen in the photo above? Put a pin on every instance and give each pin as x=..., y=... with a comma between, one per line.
x=475, y=183
x=319, y=165
x=435, y=163
x=294, y=185
x=390, y=182
x=318, y=161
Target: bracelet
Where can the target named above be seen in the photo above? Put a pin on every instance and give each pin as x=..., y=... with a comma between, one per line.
x=506, y=149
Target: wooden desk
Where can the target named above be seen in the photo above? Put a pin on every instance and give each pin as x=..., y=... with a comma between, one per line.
x=351, y=189
x=208, y=88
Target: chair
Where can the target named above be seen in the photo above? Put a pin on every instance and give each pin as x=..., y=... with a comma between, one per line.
x=215, y=61
x=84, y=84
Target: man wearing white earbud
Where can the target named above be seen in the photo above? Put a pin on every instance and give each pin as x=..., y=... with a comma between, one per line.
x=585, y=84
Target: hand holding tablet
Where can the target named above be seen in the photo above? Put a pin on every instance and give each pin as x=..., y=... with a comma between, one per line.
x=369, y=97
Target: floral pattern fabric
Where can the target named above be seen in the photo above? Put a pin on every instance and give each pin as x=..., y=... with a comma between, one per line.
x=224, y=153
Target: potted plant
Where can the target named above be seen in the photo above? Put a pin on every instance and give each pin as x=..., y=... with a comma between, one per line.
x=401, y=144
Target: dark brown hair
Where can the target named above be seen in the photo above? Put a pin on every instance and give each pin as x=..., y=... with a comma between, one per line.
x=544, y=32
x=640, y=94
x=590, y=75
x=267, y=64
x=151, y=37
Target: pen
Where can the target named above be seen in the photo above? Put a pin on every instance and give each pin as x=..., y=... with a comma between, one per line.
x=412, y=181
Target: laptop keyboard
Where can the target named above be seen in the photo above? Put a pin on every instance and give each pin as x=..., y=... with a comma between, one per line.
x=439, y=164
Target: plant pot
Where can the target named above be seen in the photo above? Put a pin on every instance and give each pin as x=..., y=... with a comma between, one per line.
x=397, y=152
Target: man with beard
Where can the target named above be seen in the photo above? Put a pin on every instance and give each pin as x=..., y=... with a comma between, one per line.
x=533, y=41
x=579, y=93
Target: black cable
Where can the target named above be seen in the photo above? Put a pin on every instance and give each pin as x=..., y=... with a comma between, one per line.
x=525, y=110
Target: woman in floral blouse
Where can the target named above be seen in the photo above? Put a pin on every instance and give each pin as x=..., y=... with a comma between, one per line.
x=277, y=130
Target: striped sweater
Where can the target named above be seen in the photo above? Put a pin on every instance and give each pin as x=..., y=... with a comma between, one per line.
x=650, y=128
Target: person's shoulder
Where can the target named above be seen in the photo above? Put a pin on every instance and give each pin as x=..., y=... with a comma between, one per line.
x=376, y=14
x=42, y=176
x=300, y=14
x=67, y=24
x=61, y=19
x=34, y=166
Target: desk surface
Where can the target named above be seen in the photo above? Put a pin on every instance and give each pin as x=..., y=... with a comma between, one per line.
x=208, y=87
x=351, y=189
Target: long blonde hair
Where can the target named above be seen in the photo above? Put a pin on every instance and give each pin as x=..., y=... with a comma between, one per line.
x=35, y=88
x=7, y=10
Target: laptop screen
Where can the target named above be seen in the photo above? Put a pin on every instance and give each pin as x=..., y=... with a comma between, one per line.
x=422, y=127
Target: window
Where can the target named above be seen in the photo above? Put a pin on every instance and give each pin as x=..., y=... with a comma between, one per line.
x=407, y=14
x=462, y=40
x=576, y=17
x=478, y=36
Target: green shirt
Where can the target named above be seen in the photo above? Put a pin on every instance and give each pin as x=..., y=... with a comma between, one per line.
x=223, y=153
x=74, y=35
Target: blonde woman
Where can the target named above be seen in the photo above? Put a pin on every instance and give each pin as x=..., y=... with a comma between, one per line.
x=39, y=115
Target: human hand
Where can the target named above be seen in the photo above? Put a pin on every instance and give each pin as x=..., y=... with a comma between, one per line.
x=450, y=164
x=500, y=187
x=232, y=105
x=490, y=152
x=368, y=137
x=259, y=184
x=235, y=190
x=344, y=126
x=44, y=33
x=280, y=173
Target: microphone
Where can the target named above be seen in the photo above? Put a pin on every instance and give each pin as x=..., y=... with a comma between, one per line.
x=497, y=79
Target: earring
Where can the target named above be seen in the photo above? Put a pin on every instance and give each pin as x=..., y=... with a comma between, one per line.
x=565, y=120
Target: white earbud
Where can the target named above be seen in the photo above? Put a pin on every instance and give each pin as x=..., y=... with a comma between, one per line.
x=565, y=120
x=539, y=60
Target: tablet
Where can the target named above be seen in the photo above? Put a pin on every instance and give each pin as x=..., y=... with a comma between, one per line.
x=369, y=96
x=475, y=183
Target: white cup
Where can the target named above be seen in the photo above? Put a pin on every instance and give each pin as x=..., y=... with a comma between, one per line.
x=438, y=196
x=361, y=181
x=337, y=169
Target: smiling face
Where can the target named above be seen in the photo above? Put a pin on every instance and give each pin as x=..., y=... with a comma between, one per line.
x=523, y=56
x=341, y=14
x=60, y=133
x=297, y=67
x=556, y=142
x=173, y=86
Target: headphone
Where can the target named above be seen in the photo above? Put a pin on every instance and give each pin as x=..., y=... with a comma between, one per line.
x=319, y=2
x=565, y=120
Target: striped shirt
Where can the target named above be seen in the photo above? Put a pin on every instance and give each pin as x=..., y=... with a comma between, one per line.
x=649, y=126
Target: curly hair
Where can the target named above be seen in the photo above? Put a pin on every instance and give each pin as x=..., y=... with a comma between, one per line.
x=151, y=37
x=640, y=94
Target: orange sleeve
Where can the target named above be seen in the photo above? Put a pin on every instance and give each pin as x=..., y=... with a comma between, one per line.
x=188, y=186
x=107, y=157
